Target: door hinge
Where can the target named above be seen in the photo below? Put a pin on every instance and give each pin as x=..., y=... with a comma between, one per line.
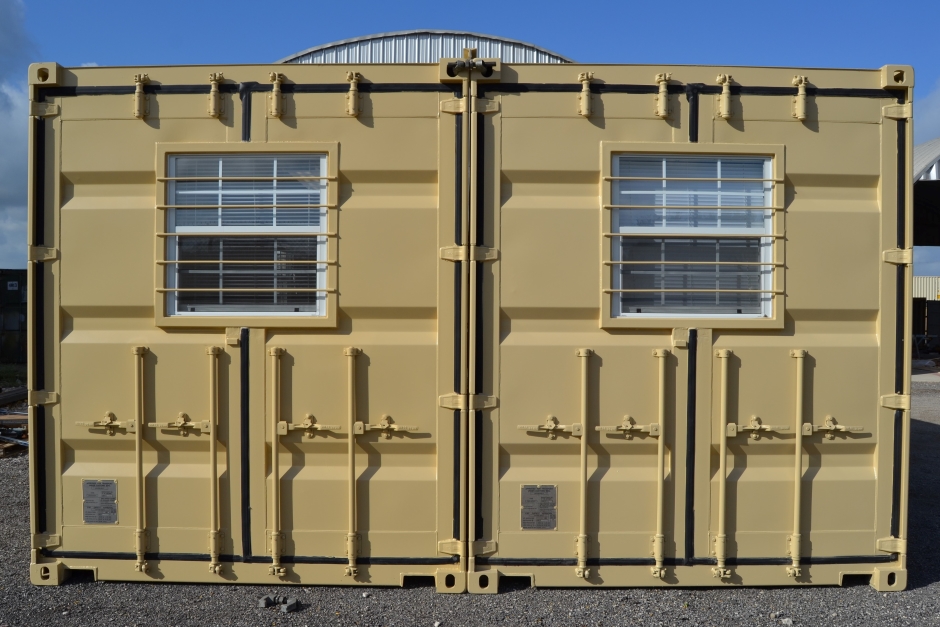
x=46, y=540
x=891, y=545
x=42, y=253
x=898, y=111
x=456, y=547
x=459, y=105
x=899, y=256
x=468, y=402
x=469, y=253
x=484, y=105
x=43, y=109
x=680, y=338
x=38, y=397
x=233, y=336
x=454, y=105
x=896, y=401
x=451, y=547
x=481, y=547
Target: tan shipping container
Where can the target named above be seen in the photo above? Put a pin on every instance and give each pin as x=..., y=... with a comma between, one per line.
x=596, y=325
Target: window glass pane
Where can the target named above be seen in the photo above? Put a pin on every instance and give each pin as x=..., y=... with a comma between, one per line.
x=261, y=203
x=699, y=271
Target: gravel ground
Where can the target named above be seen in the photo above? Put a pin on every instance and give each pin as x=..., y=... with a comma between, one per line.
x=83, y=602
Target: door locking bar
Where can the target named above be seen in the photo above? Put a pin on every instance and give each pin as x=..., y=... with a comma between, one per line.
x=309, y=426
x=830, y=428
x=553, y=428
x=755, y=426
x=182, y=423
x=140, y=532
x=794, y=540
x=275, y=535
x=721, y=571
x=215, y=534
x=109, y=424
x=386, y=426
x=628, y=426
x=352, y=538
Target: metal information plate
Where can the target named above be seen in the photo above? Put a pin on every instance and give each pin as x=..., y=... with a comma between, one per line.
x=539, y=507
x=99, y=501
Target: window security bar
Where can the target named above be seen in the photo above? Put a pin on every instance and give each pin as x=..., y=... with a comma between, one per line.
x=677, y=178
x=698, y=207
x=700, y=236
x=265, y=290
x=257, y=234
x=693, y=263
x=697, y=291
x=218, y=206
x=164, y=179
x=167, y=262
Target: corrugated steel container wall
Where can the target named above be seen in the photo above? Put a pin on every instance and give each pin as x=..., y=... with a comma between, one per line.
x=927, y=287
x=424, y=47
x=433, y=343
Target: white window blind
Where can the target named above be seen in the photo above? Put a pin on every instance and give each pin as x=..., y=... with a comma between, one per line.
x=245, y=234
x=691, y=236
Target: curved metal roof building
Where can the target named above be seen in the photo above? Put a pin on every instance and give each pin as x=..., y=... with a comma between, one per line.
x=423, y=46
x=927, y=161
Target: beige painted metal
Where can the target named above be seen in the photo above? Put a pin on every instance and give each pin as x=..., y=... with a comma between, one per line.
x=468, y=230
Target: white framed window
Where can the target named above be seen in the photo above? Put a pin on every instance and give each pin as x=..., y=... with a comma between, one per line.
x=692, y=236
x=247, y=234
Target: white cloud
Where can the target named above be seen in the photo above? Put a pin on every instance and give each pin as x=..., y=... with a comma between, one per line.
x=16, y=49
x=927, y=116
x=14, y=128
x=89, y=64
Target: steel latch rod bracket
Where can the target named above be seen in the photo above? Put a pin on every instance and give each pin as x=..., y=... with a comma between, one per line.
x=141, y=108
x=276, y=107
x=724, y=100
x=830, y=428
x=215, y=98
x=352, y=96
x=552, y=427
x=309, y=426
x=182, y=423
x=799, y=101
x=386, y=425
x=584, y=98
x=628, y=426
x=109, y=424
x=755, y=426
x=662, y=98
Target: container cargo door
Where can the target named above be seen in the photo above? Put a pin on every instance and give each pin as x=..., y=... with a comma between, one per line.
x=352, y=476
x=581, y=461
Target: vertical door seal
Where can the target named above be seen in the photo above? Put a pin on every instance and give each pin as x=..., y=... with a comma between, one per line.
x=900, y=316
x=458, y=280
x=244, y=93
x=690, y=450
x=39, y=344
x=478, y=366
x=691, y=94
x=246, y=485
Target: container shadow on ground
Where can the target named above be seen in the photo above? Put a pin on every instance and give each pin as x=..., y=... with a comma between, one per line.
x=924, y=505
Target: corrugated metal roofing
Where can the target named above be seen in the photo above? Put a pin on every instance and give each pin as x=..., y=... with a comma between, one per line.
x=423, y=46
x=926, y=158
x=927, y=287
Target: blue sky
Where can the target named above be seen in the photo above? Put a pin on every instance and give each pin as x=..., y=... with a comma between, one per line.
x=837, y=33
